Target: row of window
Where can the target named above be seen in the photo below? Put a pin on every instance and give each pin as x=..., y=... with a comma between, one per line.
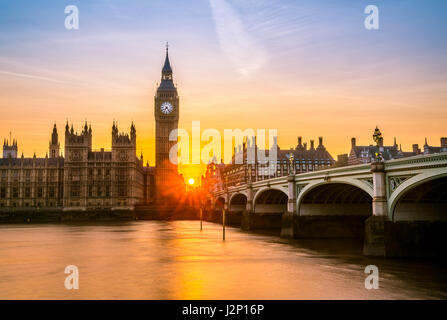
x=262, y=170
x=75, y=191
x=27, y=204
x=27, y=193
x=27, y=173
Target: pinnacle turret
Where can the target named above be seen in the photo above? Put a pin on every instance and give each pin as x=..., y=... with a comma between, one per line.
x=167, y=83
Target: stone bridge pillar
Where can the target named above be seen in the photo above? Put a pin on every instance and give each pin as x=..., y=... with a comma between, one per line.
x=247, y=215
x=375, y=226
x=288, y=218
x=379, y=203
x=249, y=206
x=291, y=203
x=227, y=199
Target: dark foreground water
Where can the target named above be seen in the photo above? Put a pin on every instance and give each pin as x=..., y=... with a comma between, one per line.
x=175, y=260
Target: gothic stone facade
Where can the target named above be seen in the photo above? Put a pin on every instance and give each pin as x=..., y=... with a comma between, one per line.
x=85, y=179
x=166, y=114
x=31, y=182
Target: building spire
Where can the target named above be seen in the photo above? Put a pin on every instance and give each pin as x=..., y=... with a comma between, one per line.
x=167, y=66
x=166, y=83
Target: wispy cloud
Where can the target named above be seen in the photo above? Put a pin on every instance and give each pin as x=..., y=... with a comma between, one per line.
x=35, y=77
x=116, y=10
x=236, y=42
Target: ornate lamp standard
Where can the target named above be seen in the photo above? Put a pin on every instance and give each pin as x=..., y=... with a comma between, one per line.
x=379, y=179
x=291, y=167
x=377, y=137
x=288, y=219
x=248, y=180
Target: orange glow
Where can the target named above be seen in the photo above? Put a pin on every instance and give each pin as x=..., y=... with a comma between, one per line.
x=308, y=106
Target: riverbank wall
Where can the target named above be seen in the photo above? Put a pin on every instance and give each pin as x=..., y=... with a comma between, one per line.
x=149, y=212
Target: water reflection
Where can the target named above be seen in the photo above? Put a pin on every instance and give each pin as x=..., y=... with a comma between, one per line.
x=175, y=260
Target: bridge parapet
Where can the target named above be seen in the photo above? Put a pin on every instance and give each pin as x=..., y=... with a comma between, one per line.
x=397, y=171
x=400, y=176
x=404, y=195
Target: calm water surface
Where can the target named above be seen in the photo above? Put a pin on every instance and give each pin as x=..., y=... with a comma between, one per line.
x=175, y=260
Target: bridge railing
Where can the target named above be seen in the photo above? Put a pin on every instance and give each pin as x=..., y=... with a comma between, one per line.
x=430, y=160
x=418, y=161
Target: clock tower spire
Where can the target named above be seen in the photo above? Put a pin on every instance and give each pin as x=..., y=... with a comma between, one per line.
x=166, y=112
x=166, y=73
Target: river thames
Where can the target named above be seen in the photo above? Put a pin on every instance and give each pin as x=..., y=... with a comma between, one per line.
x=175, y=260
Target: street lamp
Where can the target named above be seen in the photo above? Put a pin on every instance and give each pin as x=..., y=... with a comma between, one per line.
x=377, y=136
x=291, y=158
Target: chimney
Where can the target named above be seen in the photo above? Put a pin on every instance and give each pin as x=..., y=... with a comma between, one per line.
x=300, y=139
x=320, y=141
x=311, y=144
x=444, y=142
x=415, y=148
x=353, y=142
x=305, y=145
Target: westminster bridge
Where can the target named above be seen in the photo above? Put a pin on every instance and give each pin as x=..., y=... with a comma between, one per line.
x=398, y=207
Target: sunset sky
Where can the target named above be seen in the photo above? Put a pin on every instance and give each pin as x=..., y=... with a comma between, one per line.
x=307, y=68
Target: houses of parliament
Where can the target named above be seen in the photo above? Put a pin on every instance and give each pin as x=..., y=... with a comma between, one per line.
x=82, y=178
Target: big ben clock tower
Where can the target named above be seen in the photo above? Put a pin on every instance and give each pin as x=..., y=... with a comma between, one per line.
x=166, y=112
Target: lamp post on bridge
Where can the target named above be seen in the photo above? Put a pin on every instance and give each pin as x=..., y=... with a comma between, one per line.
x=375, y=226
x=377, y=137
x=291, y=166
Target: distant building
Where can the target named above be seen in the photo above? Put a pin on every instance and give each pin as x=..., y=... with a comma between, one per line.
x=431, y=149
x=10, y=148
x=84, y=179
x=366, y=154
x=212, y=181
x=101, y=179
x=89, y=179
x=297, y=160
x=342, y=160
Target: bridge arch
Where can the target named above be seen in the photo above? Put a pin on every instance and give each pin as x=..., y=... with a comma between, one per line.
x=421, y=198
x=261, y=190
x=219, y=203
x=270, y=200
x=238, y=202
x=336, y=198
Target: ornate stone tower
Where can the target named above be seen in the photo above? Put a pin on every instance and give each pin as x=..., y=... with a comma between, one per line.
x=54, y=144
x=10, y=148
x=166, y=111
x=124, y=146
x=77, y=149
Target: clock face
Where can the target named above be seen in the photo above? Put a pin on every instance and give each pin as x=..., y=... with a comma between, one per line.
x=166, y=108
